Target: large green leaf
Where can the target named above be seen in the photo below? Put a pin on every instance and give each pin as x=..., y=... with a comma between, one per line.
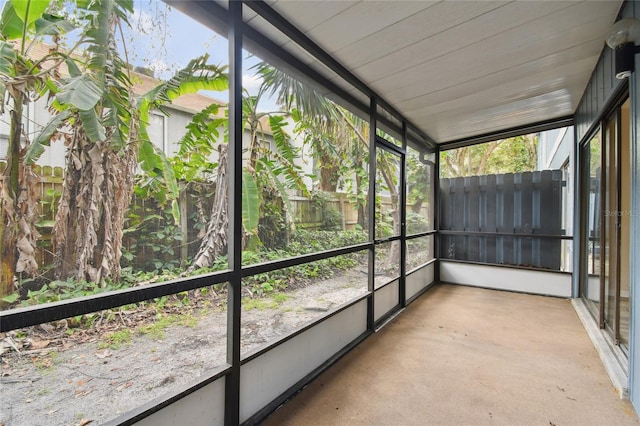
x=92, y=125
x=194, y=84
x=8, y=57
x=196, y=76
x=30, y=10
x=149, y=161
x=282, y=191
x=11, y=26
x=250, y=202
x=154, y=162
x=277, y=124
x=81, y=92
x=37, y=146
x=72, y=66
x=52, y=25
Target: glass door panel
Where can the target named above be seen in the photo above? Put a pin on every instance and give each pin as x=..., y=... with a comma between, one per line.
x=625, y=226
x=591, y=196
x=605, y=214
x=610, y=231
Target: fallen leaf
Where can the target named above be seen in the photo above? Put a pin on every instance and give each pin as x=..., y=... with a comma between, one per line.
x=39, y=344
x=53, y=411
x=84, y=422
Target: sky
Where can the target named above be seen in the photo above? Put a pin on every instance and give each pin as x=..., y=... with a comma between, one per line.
x=165, y=40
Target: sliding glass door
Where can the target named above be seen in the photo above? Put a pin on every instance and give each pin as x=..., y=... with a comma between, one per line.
x=605, y=212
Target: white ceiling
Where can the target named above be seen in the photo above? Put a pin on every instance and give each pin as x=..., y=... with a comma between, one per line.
x=459, y=69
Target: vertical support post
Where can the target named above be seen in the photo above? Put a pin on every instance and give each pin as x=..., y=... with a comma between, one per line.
x=234, y=250
x=435, y=187
x=402, y=205
x=578, y=235
x=634, y=272
x=605, y=141
x=372, y=213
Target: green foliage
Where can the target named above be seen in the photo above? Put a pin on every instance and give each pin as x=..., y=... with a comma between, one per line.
x=419, y=180
x=198, y=144
x=331, y=218
x=273, y=229
x=197, y=75
x=303, y=242
x=152, y=237
x=12, y=298
x=64, y=290
x=384, y=221
x=250, y=202
x=417, y=223
x=513, y=155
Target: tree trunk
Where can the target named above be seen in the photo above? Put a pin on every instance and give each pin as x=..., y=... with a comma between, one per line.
x=97, y=190
x=18, y=214
x=214, y=243
x=328, y=172
x=9, y=213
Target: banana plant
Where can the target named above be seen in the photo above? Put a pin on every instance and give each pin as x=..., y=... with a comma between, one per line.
x=105, y=127
x=263, y=168
x=22, y=79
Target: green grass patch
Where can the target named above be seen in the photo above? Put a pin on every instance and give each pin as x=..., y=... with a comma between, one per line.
x=116, y=339
x=259, y=304
x=280, y=298
x=156, y=330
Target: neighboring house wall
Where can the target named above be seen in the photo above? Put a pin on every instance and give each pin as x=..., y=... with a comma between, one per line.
x=555, y=148
x=165, y=132
x=555, y=152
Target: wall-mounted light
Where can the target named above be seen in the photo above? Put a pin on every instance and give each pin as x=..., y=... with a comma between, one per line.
x=622, y=39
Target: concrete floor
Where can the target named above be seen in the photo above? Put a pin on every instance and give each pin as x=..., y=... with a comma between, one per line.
x=467, y=356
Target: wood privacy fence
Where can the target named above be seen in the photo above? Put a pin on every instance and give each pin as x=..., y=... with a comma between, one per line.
x=508, y=219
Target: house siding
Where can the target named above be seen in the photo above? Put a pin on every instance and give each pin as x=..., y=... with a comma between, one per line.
x=600, y=92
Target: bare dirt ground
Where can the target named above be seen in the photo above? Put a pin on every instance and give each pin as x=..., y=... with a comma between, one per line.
x=49, y=377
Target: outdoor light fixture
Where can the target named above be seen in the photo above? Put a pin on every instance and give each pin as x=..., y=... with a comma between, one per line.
x=622, y=39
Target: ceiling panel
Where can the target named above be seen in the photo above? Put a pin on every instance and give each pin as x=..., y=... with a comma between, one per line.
x=307, y=14
x=361, y=20
x=556, y=67
x=413, y=29
x=482, y=27
x=461, y=68
x=471, y=63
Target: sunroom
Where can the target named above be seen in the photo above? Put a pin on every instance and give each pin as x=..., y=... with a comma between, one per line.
x=329, y=171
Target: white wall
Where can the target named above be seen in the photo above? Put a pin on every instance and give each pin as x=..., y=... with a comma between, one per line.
x=504, y=278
